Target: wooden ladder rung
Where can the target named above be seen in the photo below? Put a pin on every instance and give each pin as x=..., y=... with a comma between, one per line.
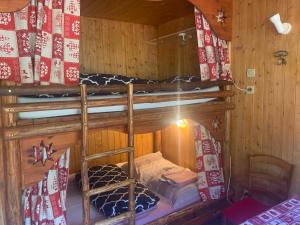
x=109, y=153
x=115, y=219
x=109, y=187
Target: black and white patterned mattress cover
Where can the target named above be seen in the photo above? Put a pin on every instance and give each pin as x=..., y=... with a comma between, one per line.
x=115, y=202
x=113, y=79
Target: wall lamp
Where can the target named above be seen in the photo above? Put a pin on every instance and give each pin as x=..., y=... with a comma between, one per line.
x=282, y=28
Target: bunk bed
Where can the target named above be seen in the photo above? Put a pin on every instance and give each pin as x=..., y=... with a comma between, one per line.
x=64, y=130
x=26, y=123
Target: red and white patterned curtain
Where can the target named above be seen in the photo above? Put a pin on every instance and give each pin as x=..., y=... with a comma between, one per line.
x=212, y=51
x=45, y=202
x=208, y=164
x=40, y=43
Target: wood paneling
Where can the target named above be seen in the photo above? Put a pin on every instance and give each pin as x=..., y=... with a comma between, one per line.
x=118, y=47
x=177, y=57
x=99, y=140
x=211, y=8
x=12, y=5
x=267, y=122
x=104, y=140
x=132, y=49
x=178, y=145
x=141, y=11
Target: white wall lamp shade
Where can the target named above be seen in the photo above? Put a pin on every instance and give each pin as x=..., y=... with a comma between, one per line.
x=282, y=28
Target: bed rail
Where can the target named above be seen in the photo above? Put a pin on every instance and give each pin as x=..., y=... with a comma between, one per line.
x=29, y=107
x=59, y=89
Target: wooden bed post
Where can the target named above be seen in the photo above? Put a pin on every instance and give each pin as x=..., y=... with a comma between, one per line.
x=84, y=162
x=12, y=158
x=226, y=145
x=131, y=174
x=2, y=176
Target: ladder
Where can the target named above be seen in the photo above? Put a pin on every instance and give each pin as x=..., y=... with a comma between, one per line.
x=86, y=192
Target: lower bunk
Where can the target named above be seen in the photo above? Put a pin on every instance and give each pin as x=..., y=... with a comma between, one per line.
x=165, y=193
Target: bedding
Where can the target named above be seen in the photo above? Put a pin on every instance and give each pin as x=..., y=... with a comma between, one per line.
x=115, y=202
x=98, y=79
x=152, y=169
x=163, y=207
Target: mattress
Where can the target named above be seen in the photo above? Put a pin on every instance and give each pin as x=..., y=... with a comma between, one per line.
x=163, y=208
x=117, y=108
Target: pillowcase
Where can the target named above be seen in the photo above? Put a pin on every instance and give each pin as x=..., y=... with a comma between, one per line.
x=113, y=203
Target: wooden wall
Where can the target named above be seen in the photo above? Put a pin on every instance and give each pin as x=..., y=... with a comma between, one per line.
x=176, y=57
x=100, y=140
x=130, y=49
x=178, y=145
x=267, y=122
x=109, y=46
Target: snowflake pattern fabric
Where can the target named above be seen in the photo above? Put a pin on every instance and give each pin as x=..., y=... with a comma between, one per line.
x=45, y=202
x=40, y=43
x=208, y=165
x=213, y=52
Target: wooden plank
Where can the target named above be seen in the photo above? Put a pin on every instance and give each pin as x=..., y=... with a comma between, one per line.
x=29, y=107
x=59, y=89
x=109, y=153
x=84, y=165
x=131, y=166
x=267, y=122
x=111, y=47
x=174, y=56
x=110, y=187
x=160, y=115
x=142, y=12
x=13, y=171
x=2, y=176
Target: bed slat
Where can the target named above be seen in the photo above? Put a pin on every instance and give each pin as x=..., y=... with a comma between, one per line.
x=109, y=153
x=110, y=187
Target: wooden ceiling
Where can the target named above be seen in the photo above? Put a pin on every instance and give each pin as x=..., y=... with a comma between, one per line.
x=137, y=11
x=12, y=5
x=210, y=10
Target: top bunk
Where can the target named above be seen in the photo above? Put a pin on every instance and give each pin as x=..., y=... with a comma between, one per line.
x=165, y=103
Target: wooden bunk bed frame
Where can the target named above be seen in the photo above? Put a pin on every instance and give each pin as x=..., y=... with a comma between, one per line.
x=210, y=114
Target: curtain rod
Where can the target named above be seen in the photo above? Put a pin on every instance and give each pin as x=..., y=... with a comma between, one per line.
x=172, y=34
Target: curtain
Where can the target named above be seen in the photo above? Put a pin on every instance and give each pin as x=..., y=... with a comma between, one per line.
x=208, y=164
x=45, y=202
x=212, y=51
x=40, y=43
